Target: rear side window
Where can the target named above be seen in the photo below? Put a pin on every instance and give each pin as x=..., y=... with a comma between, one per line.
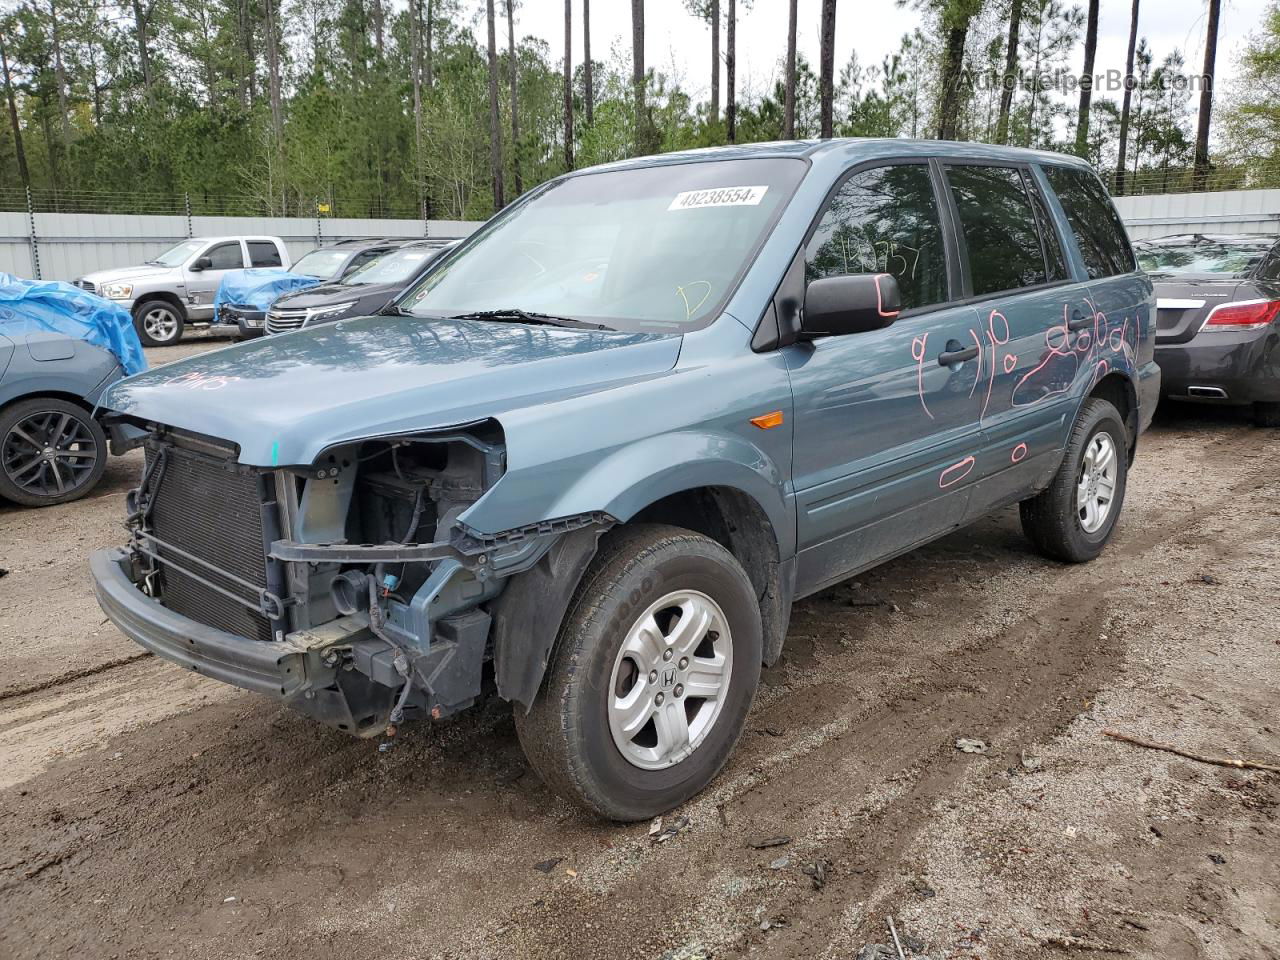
x=1100, y=234
x=225, y=256
x=1055, y=260
x=884, y=220
x=998, y=224
x=263, y=253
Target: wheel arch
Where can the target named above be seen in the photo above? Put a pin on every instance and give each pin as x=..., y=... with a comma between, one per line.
x=166, y=296
x=1118, y=389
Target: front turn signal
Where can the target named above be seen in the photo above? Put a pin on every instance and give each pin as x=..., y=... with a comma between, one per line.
x=767, y=421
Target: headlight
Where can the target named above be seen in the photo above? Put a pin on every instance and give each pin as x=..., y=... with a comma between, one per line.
x=333, y=311
x=117, y=291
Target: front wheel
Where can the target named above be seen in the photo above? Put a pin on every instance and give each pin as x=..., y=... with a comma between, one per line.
x=1073, y=518
x=651, y=678
x=158, y=322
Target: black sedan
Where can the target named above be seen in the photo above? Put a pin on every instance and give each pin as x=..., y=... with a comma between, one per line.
x=1218, y=319
x=361, y=293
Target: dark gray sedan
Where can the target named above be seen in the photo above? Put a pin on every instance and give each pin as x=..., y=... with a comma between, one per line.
x=52, y=449
x=1218, y=310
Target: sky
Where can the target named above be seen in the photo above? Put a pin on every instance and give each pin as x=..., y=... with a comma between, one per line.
x=679, y=45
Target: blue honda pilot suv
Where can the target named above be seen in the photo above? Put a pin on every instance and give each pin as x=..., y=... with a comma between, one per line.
x=596, y=454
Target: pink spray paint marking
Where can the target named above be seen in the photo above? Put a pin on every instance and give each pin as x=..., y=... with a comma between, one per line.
x=955, y=473
x=919, y=347
x=1019, y=453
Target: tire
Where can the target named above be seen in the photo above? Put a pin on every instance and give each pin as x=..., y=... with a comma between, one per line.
x=1266, y=414
x=1055, y=519
x=158, y=322
x=34, y=478
x=569, y=734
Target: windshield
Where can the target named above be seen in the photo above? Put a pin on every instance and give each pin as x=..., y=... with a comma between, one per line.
x=397, y=266
x=647, y=249
x=321, y=264
x=179, y=254
x=1202, y=255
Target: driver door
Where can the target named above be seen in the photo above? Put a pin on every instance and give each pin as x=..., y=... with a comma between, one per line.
x=887, y=422
x=202, y=285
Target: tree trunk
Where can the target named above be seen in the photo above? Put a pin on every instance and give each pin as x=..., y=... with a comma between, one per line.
x=495, y=126
x=1206, y=97
x=586, y=60
x=59, y=73
x=415, y=71
x=1009, y=80
x=827, y=62
x=1086, y=80
x=715, y=61
x=1128, y=96
x=730, y=65
x=273, y=77
x=637, y=72
x=952, y=75
x=426, y=66
x=789, y=82
x=144, y=57
x=568, y=84
x=379, y=28
x=514, y=69
x=23, y=172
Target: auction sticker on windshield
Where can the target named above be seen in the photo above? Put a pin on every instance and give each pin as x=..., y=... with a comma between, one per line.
x=718, y=197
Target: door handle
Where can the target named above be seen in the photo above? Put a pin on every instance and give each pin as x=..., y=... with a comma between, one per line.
x=948, y=357
x=1079, y=321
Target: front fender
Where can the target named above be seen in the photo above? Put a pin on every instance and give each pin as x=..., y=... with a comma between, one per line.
x=632, y=478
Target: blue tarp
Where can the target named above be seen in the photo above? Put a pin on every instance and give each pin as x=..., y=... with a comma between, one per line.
x=56, y=307
x=257, y=288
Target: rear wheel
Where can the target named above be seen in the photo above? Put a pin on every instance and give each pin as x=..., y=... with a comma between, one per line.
x=1073, y=518
x=158, y=322
x=51, y=451
x=651, y=678
x=1266, y=414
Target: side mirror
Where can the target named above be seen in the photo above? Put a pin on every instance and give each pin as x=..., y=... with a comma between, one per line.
x=834, y=306
x=201, y=263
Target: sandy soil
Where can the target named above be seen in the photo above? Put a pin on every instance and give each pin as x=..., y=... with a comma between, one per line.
x=149, y=812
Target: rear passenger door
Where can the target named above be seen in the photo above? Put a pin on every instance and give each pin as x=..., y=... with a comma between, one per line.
x=886, y=421
x=1122, y=337
x=1031, y=315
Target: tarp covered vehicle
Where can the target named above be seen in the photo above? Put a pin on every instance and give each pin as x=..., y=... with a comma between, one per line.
x=60, y=347
x=244, y=295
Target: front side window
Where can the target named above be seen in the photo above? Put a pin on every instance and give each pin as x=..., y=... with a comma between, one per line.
x=225, y=256
x=1098, y=230
x=998, y=225
x=884, y=220
x=641, y=249
x=361, y=260
x=263, y=253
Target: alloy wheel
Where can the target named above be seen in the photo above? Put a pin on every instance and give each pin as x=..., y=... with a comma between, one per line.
x=670, y=679
x=49, y=453
x=160, y=323
x=1096, y=487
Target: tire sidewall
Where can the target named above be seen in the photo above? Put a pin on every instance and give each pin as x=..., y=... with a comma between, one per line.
x=636, y=792
x=1100, y=418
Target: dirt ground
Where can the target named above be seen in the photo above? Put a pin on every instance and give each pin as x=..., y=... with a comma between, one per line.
x=149, y=812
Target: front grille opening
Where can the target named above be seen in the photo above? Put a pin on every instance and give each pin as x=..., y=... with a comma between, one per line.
x=213, y=509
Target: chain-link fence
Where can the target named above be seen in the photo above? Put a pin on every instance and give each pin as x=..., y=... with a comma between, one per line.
x=1254, y=176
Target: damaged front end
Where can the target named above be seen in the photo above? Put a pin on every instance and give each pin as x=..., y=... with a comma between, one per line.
x=350, y=588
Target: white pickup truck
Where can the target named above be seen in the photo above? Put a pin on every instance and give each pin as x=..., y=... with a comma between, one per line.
x=178, y=286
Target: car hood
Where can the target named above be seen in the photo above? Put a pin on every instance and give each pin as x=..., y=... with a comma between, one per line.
x=285, y=399
x=142, y=272
x=327, y=294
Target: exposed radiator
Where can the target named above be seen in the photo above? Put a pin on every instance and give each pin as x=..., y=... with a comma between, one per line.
x=214, y=512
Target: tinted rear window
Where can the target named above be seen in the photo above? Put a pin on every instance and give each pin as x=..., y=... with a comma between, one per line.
x=1202, y=255
x=999, y=228
x=1100, y=234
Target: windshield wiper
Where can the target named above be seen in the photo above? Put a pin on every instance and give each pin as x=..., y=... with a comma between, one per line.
x=516, y=315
